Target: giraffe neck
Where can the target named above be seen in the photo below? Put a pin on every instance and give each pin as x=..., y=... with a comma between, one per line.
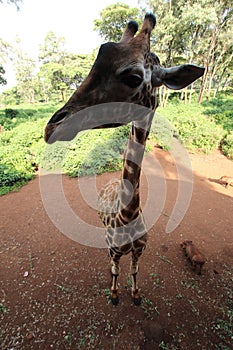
x=130, y=195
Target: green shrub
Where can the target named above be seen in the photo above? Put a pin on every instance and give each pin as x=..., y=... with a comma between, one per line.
x=22, y=148
x=162, y=131
x=8, y=176
x=221, y=111
x=11, y=113
x=91, y=152
x=196, y=131
x=227, y=145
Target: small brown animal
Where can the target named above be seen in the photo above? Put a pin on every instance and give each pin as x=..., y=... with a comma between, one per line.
x=194, y=255
x=226, y=180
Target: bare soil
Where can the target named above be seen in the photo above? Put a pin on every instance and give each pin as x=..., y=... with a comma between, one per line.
x=54, y=292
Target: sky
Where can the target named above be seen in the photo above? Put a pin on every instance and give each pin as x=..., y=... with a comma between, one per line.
x=72, y=19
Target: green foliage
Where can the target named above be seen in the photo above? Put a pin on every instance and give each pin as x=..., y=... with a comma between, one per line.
x=227, y=145
x=2, y=79
x=197, y=131
x=53, y=49
x=21, y=144
x=25, y=75
x=114, y=19
x=13, y=117
x=17, y=3
x=162, y=131
x=10, y=97
x=11, y=113
x=91, y=152
x=22, y=148
x=221, y=110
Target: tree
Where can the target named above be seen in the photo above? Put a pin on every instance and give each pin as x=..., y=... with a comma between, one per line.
x=2, y=79
x=5, y=50
x=25, y=75
x=15, y=2
x=10, y=97
x=62, y=78
x=114, y=19
x=219, y=46
x=4, y=45
x=53, y=49
x=195, y=31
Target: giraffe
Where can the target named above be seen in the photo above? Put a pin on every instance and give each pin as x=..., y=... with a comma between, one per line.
x=123, y=72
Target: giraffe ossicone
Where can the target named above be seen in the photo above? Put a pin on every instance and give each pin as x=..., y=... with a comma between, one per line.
x=124, y=73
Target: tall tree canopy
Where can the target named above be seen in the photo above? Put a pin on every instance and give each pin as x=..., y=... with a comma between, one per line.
x=53, y=49
x=15, y=2
x=113, y=20
x=5, y=46
x=198, y=31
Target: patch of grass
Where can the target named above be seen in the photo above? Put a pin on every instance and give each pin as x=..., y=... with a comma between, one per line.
x=155, y=279
x=149, y=308
x=3, y=309
x=107, y=294
x=164, y=258
x=223, y=326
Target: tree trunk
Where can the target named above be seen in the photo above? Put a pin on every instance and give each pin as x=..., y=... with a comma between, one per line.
x=203, y=85
x=190, y=93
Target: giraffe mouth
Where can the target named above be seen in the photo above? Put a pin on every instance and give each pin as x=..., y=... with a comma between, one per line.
x=53, y=130
x=48, y=132
x=50, y=128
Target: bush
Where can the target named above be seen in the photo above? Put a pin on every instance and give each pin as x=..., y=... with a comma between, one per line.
x=11, y=113
x=21, y=147
x=8, y=176
x=221, y=111
x=91, y=152
x=227, y=145
x=194, y=129
x=200, y=128
x=162, y=131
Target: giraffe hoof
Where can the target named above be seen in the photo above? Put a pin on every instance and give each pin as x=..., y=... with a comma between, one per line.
x=137, y=301
x=115, y=300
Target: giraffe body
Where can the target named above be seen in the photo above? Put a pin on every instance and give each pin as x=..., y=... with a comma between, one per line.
x=121, y=238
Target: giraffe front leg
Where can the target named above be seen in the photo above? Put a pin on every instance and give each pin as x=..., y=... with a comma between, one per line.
x=134, y=270
x=115, y=259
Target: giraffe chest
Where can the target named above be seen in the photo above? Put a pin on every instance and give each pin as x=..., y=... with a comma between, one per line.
x=109, y=202
x=120, y=236
x=128, y=237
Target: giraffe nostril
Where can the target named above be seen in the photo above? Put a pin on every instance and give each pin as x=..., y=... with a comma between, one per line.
x=58, y=117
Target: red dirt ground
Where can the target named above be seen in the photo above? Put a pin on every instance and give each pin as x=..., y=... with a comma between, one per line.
x=54, y=291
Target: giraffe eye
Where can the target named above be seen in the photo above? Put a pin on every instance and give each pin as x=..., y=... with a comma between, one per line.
x=133, y=80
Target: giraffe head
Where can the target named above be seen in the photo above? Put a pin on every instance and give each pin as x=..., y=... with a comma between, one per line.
x=123, y=72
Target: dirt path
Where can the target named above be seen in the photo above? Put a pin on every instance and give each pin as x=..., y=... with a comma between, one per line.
x=54, y=291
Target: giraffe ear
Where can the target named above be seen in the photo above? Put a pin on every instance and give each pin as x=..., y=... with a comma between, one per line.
x=178, y=77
